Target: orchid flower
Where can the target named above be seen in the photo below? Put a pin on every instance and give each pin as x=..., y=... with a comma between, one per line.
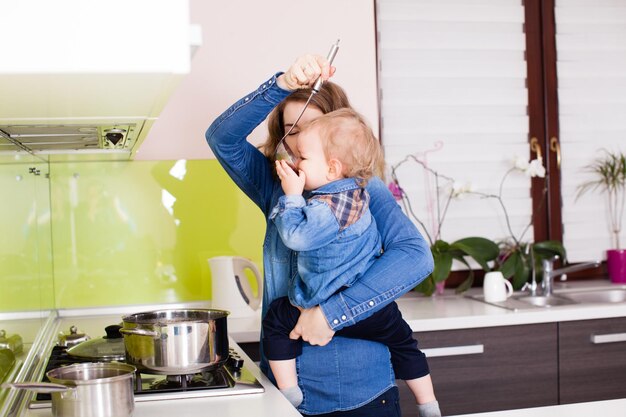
x=520, y=163
x=536, y=169
x=461, y=190
x=532, y=168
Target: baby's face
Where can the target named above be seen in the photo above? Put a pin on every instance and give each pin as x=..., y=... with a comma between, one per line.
x=312, y=159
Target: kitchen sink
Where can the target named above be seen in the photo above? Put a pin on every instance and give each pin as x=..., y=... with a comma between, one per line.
x=543, y=301
x=525, y=301
x=599, y=296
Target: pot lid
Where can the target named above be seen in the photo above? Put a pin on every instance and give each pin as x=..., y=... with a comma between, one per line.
x=107, y=348
x=73, y=338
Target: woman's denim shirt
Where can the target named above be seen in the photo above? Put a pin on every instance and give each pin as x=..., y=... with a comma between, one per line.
x=334, y=235
x=346, y=373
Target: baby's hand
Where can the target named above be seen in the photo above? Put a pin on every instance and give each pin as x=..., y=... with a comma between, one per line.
x=292, y=183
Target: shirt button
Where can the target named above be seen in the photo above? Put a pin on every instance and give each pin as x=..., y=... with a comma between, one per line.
x=371, y=304
x=263, y=86
x=246, y=99
x=343, y=318
x=335, y=321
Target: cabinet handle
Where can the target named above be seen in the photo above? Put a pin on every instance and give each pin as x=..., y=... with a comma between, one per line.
x=608, y=338
x=454, y=351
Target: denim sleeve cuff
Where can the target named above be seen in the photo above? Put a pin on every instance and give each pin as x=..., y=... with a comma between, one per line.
x=340, y=314
x=271, y=91
x=291, y=201
x=287, y=202
x=337, y=313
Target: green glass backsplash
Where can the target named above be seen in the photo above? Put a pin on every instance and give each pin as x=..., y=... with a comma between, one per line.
x=137, y=232
x=25, y=242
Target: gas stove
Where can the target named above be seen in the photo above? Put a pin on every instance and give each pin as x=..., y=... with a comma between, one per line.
x=231, y=379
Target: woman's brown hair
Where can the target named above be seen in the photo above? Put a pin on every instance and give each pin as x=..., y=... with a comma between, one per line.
x=331, y=97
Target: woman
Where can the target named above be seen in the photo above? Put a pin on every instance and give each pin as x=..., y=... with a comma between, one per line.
x=342, y=376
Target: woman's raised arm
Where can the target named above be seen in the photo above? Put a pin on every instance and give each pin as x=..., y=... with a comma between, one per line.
x=227, y=137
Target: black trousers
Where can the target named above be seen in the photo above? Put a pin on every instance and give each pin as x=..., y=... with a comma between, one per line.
x=385, y=326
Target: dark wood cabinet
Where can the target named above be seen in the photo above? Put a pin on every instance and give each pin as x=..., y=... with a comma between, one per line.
x=592, y=360
x=509, y=367
x=488, y=369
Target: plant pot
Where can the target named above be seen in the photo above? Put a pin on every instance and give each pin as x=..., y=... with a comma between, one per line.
x=616, y=265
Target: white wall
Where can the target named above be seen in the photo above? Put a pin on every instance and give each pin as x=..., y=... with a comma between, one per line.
x=244, y=43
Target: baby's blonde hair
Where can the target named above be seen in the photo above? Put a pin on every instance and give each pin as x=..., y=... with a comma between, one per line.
x=348, y=138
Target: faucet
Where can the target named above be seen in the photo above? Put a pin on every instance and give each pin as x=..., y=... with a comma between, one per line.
x=549, y=273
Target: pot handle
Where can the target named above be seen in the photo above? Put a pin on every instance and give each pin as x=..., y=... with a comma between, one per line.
x=42, y=387
x=141, y=332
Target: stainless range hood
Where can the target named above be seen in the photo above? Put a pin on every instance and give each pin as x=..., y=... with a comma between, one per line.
x=74, y=89
x=46, y=138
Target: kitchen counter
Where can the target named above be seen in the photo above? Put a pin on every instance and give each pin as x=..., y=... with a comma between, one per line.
x=609, y=408
x=443, y=312
x=451, y=311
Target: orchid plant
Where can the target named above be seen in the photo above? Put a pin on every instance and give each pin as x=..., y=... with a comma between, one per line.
x=517, y=259
x=482, y=250
x=520, y=260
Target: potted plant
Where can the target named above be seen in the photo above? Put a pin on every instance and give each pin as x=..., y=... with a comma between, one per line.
x=609, y=172
x=519, y=260
x=480, y=249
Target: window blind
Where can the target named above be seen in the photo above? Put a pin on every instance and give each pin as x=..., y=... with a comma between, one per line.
x=591, y=68
x=453, y=94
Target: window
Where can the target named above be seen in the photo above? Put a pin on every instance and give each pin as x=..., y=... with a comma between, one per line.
x=465, y=85
x=453, y=93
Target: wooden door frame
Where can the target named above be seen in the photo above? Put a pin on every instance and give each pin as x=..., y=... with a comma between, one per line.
x=543, y=114
x=536, y=83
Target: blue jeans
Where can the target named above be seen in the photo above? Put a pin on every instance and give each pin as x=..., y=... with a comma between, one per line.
x=385, y=405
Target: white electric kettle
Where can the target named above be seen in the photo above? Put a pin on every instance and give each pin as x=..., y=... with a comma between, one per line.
x=230, y=287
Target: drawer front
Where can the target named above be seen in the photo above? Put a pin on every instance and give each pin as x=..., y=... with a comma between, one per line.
x=592, y=355
x=489, y=369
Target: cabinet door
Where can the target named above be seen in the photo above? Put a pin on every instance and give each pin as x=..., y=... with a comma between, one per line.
x=592, y=360
x=488, y=369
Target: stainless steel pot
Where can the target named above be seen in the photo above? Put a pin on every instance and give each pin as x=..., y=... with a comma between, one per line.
x=176, y=342
x=88, y=390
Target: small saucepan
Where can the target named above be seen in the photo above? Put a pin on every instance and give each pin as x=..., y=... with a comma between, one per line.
x=88, y=390
x=176, y=342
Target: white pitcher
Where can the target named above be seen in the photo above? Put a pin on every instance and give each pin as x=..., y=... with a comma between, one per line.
x=230, y=287
x=496, y=288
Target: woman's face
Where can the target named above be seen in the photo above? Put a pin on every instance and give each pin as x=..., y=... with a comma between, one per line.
x=290, y=114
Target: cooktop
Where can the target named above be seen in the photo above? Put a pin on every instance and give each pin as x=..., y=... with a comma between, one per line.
x=231, y=379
